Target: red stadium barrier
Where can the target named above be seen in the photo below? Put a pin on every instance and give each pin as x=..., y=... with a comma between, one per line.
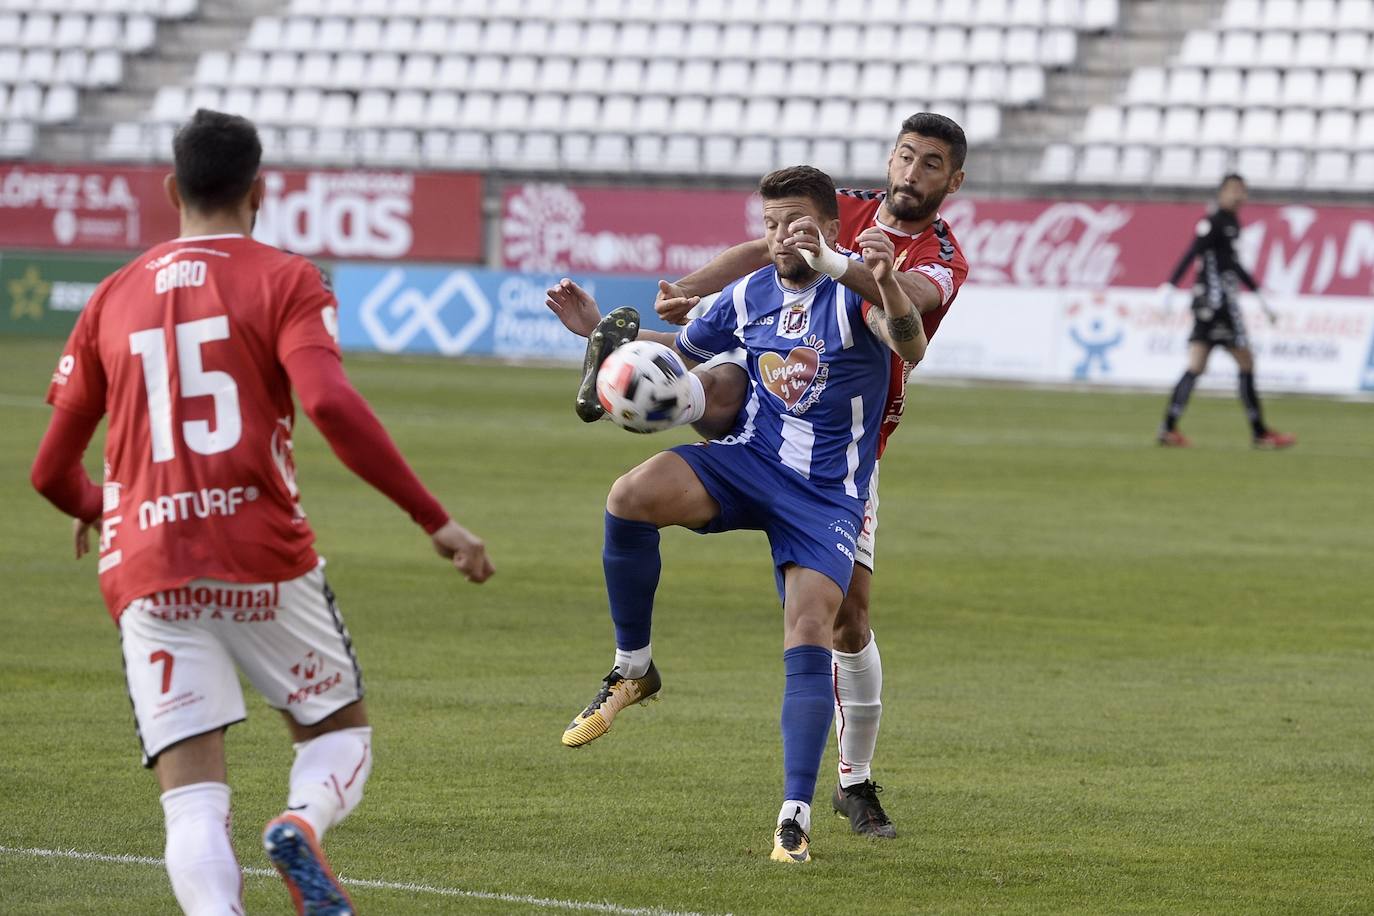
x=317, y=212
x=1296, y=249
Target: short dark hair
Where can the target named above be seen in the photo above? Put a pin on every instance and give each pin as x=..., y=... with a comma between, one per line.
x=802, y=181
x=217, y=156
x=1230, y=177
x=938, y=127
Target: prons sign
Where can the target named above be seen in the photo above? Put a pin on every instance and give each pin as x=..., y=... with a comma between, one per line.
x=559, y=227
x=317, y=213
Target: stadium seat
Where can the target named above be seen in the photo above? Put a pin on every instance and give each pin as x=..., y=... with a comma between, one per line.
x=1261, y=88
x=1056, y=164
x=1180, y=126
x=1185, y=86
x=1200, y=49
x=1141, y=125
x=1097, y=164
x=1146, y=86
x=1297, y=127
x=1259, y=127
x=1329, y=169
x=1355, y=14
x=1338, y=89
x=1336, y=130
x=1224, y=87
x=1300, y=89
x=1104, y=123
x=1176, y=165
x=1313, y=49
x=1351, y=49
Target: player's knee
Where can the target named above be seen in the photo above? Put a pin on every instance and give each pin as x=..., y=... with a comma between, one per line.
x=629, y=498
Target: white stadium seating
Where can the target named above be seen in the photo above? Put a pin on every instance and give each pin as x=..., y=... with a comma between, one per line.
x=606, y=85
x=1279, y=90
x=53, y=50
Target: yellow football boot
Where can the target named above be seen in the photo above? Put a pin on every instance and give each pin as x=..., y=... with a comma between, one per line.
x=616, y=693
x=790, y=843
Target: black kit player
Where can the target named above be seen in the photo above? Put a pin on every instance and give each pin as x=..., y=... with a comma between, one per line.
x=1217, y=318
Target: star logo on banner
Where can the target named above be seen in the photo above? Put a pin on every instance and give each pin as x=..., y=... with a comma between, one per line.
x=28, y=294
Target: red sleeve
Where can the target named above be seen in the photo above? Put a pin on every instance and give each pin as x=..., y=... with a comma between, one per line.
x=78, y=384
x=311, y=315
x=57, y=472
x=356, y=435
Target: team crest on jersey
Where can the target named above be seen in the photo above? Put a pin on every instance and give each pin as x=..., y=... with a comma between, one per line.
x=797, y=379
x=795, y=320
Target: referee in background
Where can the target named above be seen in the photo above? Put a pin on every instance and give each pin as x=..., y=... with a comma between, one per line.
x=1216, y=316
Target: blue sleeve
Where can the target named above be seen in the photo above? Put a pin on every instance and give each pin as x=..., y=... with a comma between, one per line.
x=716, y=331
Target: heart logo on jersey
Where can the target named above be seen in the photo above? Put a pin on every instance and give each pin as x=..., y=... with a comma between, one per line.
x=788, y=379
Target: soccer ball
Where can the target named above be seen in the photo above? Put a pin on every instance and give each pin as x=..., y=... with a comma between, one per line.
x=643, y=387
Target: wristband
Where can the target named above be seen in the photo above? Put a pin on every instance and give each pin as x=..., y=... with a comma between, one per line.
x=829, y=262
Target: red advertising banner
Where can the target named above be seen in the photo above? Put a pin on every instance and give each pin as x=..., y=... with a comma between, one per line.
x=434, y=216
x=1294, y=249
x=552, y=227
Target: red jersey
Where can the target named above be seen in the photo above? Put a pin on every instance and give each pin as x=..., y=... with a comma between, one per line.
x=933, y=253
x=183, y=348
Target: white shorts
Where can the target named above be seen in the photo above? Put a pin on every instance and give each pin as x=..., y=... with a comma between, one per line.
x=181, y=647
x=864, y=544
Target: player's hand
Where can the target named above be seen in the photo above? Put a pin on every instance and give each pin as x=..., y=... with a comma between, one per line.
x=81, y=536
x=672, y=302
x=574, y=307
x=467, y=551
x=803, y=236
x=1269, y=313
x=878, y=252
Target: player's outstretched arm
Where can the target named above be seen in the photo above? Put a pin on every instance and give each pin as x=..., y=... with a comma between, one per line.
x=894, y=317
x=363, y=445
x=675, y=300
x=579, y=313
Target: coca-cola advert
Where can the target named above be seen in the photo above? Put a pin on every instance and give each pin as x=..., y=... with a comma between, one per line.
x=1290, y=250
x=328, y=214
x=1092, y=244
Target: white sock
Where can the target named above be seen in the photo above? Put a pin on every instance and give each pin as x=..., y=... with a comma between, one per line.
x=328, y=776
x=200, y=859
x=696, y=400
x=798, y=811
x=858, y=709
x=634, y=662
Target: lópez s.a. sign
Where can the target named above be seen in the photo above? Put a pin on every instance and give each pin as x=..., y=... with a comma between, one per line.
x=325, y=213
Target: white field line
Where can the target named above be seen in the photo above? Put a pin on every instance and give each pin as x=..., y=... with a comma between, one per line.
x=547, y=903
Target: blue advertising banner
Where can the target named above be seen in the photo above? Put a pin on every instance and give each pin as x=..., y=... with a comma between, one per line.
x=457, y=311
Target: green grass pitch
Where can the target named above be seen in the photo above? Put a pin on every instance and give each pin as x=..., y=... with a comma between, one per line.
x=1119, y=679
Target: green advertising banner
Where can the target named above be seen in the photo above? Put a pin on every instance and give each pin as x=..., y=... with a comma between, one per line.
x=41, y=294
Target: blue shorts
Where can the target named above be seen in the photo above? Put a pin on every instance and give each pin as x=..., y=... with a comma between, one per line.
x=812, y=526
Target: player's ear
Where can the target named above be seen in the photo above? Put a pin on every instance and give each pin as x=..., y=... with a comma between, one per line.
x=831, y=229
x=956, y=181
x=256, y=193
x=169, y=187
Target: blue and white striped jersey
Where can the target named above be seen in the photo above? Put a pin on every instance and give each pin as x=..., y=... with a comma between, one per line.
x=818, y=376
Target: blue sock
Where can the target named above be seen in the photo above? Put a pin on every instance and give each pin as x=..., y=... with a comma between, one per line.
x=808, y=705
x=632, y=564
